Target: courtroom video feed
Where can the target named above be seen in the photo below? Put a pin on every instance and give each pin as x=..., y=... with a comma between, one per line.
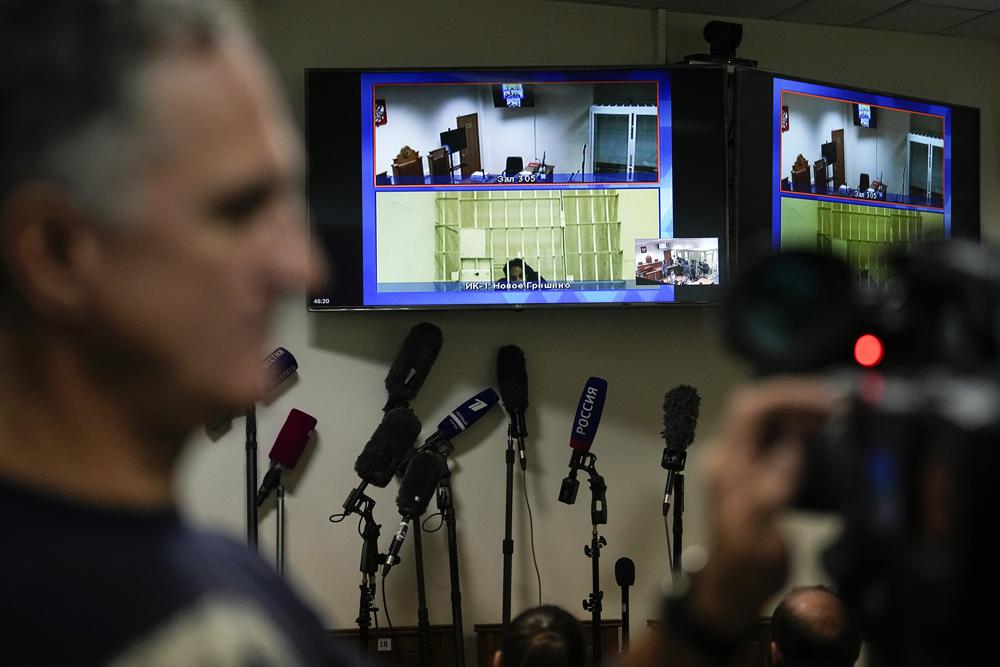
x=677, y=261
x=863, y=235
x=512, y=240
x=863, y=152
x=516, y=134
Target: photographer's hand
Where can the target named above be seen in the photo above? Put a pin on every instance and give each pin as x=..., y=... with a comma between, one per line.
x=752, y=475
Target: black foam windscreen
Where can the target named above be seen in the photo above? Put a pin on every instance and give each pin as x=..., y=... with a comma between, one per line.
x=413, y=362
x=625, y=571
x=512, y=376
x=419, y=483
x=389, y=445
x=680, y=416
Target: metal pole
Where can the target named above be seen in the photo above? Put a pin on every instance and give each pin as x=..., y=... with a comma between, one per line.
x=280, y=537
x=251, y=476
x=508, y=540
x=447, y=507
x=678, y=520
x=423, y=624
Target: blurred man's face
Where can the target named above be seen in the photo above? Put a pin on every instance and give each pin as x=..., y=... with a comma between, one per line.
x=216, y=235
x=516, y=274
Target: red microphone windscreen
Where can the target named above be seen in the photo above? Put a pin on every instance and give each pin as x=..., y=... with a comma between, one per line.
x=292, y=438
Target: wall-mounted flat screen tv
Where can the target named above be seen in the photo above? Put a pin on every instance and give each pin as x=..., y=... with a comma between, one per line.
x=850, y=172
x=586, y=187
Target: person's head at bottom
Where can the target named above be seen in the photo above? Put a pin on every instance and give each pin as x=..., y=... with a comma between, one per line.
x=542, y=636
x=811, y=627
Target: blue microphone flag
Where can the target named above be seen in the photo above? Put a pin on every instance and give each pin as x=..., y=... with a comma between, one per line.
x=588, y=414
x=468, y=413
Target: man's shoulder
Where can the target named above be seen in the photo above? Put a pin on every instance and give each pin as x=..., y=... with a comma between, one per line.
x=176, y=595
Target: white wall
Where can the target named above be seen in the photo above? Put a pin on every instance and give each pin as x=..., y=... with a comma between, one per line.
x=879, y=151
x=652, y=250
x=810, y=121
x=558, y=124
x=417, y=115
x=872, y=151
x=563, y=128
x=344, y=356
x=405, y=236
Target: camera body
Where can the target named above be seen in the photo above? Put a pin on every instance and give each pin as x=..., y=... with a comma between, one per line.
x=910, y=465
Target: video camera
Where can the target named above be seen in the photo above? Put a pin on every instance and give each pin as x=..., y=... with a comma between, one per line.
x=910, y=466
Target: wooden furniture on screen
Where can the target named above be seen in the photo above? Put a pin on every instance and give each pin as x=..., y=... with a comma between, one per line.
x=409, y=170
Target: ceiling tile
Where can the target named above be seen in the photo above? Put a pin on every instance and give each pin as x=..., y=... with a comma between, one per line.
x=843, y=12
x=985, y=27
x=921, y=18
x=982, y=5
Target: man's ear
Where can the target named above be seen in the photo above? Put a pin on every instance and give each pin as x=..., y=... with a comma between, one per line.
x=497, y=659
x=49, y=250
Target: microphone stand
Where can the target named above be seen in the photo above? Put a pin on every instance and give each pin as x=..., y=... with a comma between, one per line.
x=508, y=539
x=587, y=462
x=371, y=559
x=625, y=620
x=515, y=430
x=423, y=624
x=280, y=536
x=674, y=460
x=678, y=523
x=251, y=476
x=446, y=505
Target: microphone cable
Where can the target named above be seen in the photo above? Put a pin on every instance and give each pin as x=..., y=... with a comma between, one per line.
x=531, y=529
x=439, y=516
x=670, y=547
x=385, y=610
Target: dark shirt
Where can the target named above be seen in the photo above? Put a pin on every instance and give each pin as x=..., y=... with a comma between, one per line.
x=82, y=585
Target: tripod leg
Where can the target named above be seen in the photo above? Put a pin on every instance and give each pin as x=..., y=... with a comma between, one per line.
x=508, y=541
x=423, y=623
x=448, y=509
x=251, y=476
x=595, y=611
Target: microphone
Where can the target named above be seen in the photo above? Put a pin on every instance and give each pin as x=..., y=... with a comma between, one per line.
x=391, y=442
x=413, y=362
x=415, y=491
x=278, y=367
x=288, y=447
x=680, y=417
x=625, y=577
x=461, y=418
x=588, y=418
x=513, y=380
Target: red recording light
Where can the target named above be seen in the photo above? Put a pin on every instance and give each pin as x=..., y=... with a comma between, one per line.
x=868, y=351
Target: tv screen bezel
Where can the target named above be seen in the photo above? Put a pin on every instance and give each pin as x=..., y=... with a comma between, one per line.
x=695, y=175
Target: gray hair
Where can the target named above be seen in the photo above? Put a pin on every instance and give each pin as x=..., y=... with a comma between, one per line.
x=69, y=72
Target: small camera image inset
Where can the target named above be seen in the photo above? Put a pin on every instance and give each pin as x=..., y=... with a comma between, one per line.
x=677, y=261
